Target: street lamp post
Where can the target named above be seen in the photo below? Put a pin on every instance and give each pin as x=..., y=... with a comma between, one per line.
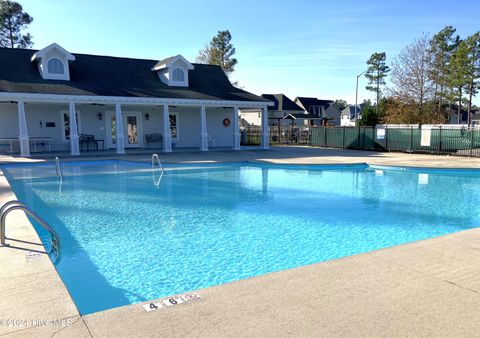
x=356, y=97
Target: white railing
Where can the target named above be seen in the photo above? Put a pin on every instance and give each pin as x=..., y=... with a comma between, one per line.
x=58, y=168
x=156, y=160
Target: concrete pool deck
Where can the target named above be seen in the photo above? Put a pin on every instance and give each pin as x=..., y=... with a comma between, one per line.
x=425, y=288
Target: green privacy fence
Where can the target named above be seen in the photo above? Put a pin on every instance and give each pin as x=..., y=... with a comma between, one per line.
x=435, y=140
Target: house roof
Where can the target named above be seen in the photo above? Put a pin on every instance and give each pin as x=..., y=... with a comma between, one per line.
x=114, y=76
x=302, y=116
x=281, y=103
x=307, y=102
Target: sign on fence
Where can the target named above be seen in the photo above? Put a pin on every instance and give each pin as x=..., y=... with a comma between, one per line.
x=426, y=137
x=380, y=133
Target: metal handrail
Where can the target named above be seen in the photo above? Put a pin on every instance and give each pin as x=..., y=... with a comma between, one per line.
x=58, y=168
x=156, y=181
x=155, y=157
x=17, y=205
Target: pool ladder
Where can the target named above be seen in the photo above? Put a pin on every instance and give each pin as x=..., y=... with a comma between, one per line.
x=17, y=205
x=155, y=160
x=58, y=168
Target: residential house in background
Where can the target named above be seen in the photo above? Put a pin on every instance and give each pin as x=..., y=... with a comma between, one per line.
x=51, y=99
x=348, y=116
x=327, y=110
x=281, y=108
x=284, y=112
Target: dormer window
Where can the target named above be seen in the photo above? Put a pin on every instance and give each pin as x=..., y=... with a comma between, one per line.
x=173, y=71
x=55, y=66
x=178, y=75
x=53, y=62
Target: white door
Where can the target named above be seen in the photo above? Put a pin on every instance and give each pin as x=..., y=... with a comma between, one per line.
x=132, y=130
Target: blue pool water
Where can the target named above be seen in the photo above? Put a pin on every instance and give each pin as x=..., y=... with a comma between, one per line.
x=127, y=240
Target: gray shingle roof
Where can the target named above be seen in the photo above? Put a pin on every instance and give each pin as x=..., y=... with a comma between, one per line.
x=309, y=102
x=281, y=103
x=302, y=116
x=113, y=76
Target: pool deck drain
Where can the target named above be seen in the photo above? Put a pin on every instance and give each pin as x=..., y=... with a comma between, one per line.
x=425, y=288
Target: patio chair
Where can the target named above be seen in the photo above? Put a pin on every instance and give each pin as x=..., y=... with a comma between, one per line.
x=84, y=139
x=153, y=138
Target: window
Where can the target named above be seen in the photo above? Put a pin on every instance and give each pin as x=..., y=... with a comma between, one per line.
x=55, y=66
x=66, y=125
x=178, y=75
x=173, y=125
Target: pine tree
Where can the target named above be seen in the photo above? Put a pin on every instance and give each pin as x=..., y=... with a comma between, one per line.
x=473, y=70
x=376, y=74
x=219, y=52
x=458, y=74
x=12, y=21
x=442, y=45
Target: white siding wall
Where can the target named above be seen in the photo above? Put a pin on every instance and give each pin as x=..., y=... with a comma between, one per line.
x=188, y=127
x=223, y=135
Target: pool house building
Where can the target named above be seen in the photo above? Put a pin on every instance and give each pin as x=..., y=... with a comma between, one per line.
x=52, y=100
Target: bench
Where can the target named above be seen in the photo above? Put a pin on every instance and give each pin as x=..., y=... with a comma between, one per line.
x=88, y=139
x=153, y=138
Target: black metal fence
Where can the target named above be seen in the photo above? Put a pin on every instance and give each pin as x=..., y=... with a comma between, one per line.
x=432, y=140
x=278, y=135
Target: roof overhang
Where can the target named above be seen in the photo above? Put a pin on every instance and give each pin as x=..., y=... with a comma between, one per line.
x=57, y=98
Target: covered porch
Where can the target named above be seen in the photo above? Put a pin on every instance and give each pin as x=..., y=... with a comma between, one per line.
x=86, y=126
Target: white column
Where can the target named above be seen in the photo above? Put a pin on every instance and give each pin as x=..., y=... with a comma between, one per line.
x=236, y=130
x=167, y=135
x=203, y=132
x=120, y=138
x=265, y=131
x=22, y=131
x=74, y=148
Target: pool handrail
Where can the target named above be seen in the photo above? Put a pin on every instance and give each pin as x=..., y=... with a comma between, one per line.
x=58, y=168
x=155, y=157
x=17, y=205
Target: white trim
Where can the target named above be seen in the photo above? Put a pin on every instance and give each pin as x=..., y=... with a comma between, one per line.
x=74, y=141
x=62, y=123
x=167, y=136
x=23, y=131
x=41, y=53
x=236, y=129
x=203, y=129
x=120, y=137
x=45, y=98
x=265, y=144
x=160, y=66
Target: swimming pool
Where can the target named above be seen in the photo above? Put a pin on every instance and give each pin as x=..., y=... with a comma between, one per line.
x=129, y=235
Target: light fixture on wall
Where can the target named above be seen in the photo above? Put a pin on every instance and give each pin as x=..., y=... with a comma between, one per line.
x=100, y=116
x=147, y=116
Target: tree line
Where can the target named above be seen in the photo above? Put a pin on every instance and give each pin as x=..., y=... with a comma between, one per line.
x=431, y=80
